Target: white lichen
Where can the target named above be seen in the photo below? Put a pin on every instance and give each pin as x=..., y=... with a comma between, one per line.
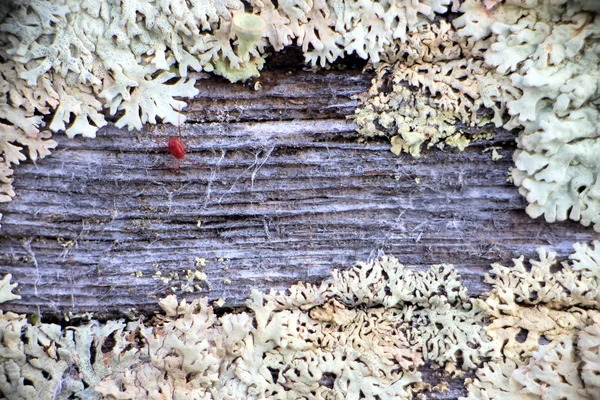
x=558, y=72
x=6, y=289
x=588, y=345
x=526, y=65
x=529, y=65
x=426, y=85
x=539, y=315
x=367, y=333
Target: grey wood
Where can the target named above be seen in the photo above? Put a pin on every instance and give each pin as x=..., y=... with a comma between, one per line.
x=286, y=194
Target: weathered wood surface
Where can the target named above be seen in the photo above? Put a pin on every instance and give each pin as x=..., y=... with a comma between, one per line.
x=288, y=194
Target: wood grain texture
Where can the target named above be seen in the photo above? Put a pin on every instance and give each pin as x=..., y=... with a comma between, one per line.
x=287, y=195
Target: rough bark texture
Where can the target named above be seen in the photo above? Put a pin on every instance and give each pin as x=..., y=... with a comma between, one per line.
x=288, y=194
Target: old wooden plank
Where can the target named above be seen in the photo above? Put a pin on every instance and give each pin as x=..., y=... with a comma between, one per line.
x=288, y=195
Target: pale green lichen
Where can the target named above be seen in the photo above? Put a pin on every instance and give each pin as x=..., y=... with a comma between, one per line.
x=367, y=333
x=6, y=289
x=558, y=72
x=20, y=109
x=536, y=63
x=551, y=55
x=425, y=86
x=538, y=318
x=76, y=59
x=248, y=28
x=588, y=345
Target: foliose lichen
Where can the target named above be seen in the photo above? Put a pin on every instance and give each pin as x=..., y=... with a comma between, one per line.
x=365, y=334
x=544, y=328
x=527, y=65
x=425, y=86
x=6, y=289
